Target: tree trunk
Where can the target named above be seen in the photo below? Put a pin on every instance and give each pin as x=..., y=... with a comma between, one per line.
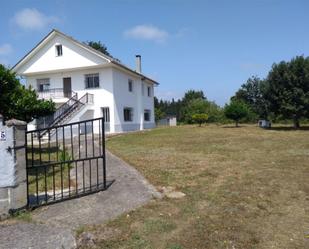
x=296, y=122
x=236, y=123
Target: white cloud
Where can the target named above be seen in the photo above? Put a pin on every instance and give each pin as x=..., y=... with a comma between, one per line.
x=5, y=49
x=147, y=32
x=32, y=19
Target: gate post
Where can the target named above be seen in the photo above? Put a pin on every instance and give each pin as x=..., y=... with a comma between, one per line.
x=13, y=180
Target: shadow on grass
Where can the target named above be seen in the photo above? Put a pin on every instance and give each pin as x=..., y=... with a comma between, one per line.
x=288, y=128
x=232, y=126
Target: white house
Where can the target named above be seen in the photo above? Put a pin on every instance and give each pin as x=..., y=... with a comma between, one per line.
x=70, y=72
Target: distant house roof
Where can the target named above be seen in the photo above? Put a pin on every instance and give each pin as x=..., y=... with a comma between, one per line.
x=108, y=58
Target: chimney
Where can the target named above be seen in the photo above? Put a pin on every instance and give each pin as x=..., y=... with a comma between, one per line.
x=138, y=63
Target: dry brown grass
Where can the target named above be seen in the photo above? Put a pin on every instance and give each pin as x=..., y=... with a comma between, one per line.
x=245, y=188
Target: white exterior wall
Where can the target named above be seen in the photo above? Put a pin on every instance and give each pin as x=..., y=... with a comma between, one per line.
x=135, y=100
x=113, y=93
x=103, y=96
x=76, y=61
x=148, y=103
x=73, y=57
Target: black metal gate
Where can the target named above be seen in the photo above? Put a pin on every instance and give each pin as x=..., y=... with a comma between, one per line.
x=65, y=161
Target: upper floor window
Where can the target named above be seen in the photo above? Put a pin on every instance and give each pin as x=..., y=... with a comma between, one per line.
x=43, y=84
x=127, y=114
x=149, y=91
x=92, y=80
x=58, y=50
x=143, y=88
x=130, y=85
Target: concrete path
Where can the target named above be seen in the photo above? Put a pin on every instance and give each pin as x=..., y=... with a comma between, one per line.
x=53, y=226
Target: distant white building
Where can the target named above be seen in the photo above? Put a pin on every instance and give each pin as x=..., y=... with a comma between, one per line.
x=168, y=121
x=86, y=84
x=264, y=123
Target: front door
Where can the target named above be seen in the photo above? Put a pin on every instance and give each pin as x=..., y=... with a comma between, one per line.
x=105, y=114
x=67, y=87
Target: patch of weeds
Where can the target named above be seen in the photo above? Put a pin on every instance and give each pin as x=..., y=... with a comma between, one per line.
x=212, y=196
x=158, y=226
x=174, y=246
x=23, y=215
x=137, y=242
x=188, y=208
x=80, y=230
x=65, y=156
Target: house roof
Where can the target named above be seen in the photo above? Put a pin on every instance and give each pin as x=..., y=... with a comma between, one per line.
x=110, y=59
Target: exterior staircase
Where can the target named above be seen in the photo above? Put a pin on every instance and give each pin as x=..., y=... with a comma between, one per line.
x=64, y=113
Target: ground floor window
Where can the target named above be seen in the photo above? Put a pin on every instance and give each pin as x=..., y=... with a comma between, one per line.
x=43, y=85
x=127, y=114
x=147, y=115
x=105, y=113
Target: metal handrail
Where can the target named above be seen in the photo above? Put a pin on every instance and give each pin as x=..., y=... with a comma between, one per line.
x=54, y=93
x=64, y=110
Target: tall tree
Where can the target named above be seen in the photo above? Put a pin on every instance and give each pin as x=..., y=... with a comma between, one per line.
x=252, y=93
x=191, y=95
x=287, y=89
x=17, y=101
x=98, y=46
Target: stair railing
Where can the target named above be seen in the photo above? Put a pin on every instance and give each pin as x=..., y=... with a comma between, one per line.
x=64, y=110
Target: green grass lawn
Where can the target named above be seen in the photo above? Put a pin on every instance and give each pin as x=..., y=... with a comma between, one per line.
x=245, y=188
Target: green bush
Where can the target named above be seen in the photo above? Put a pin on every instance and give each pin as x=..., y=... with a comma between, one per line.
x=236, y=110
x=199, y=118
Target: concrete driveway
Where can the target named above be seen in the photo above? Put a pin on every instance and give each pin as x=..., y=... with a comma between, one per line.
x=53, y=226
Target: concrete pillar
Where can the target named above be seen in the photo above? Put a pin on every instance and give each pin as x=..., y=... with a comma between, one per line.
x=13, y=185
x=140, y=109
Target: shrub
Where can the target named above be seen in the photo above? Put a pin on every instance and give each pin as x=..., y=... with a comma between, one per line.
x=199, y=118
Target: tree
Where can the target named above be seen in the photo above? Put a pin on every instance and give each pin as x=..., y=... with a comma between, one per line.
x=287, y=89
x=19, y=102
x=195, y=106
x=252, y=93
x=236, y=111
x=158, y=114
x=98, y=46
x=192, y=102
x=192, y=95
x=199, y=118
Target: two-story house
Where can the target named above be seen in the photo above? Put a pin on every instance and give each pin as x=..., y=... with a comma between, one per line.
x=73, y=74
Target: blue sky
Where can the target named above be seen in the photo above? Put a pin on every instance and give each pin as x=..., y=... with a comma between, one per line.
x=212, y=46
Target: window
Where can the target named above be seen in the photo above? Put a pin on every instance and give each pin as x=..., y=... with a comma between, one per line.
x=58, y=50
x=92, y=80
x=43, y=84
x=130, y=85
x=105, y=112
x=143, y=89
x=149, y=91
x=147, y=115
x=127, y=114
